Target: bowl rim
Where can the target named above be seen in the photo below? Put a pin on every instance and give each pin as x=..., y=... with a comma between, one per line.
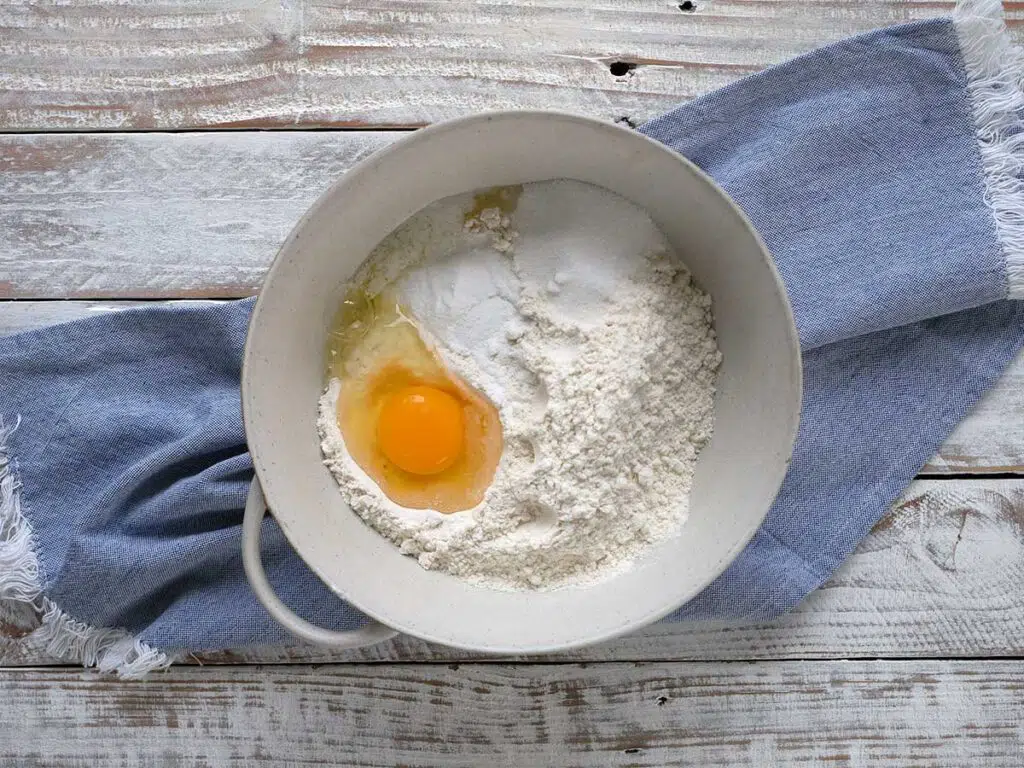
x=367, y=166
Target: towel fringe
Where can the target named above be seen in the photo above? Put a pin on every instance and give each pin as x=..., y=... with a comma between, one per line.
x=21, y=596
x=995, y=71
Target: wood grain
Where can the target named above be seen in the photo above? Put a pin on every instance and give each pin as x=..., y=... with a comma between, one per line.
x=158, y=214
x=941, y=575
x=202, y=215
x=816, y=714
x=173, y=215
x=989, y=440
x=175, y=64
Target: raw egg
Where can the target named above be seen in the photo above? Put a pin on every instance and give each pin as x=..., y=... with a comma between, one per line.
x=422, y=433
x=421, y=429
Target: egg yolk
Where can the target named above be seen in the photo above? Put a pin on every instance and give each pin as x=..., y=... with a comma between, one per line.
x=426, y=437
x=420, y=429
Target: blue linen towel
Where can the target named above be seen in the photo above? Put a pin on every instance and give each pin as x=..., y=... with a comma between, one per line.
x=884, y=173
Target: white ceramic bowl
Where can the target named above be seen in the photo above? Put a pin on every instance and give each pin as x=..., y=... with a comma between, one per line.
x=739, y=472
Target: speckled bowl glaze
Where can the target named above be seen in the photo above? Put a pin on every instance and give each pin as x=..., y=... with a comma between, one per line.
x=738, y=475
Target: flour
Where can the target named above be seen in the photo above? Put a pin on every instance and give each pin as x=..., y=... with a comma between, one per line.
x=598, y=351
x=497, y=225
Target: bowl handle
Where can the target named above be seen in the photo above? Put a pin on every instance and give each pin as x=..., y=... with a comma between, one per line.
x=255, y=509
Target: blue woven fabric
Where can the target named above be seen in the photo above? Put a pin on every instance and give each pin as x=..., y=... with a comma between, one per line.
x=860, y=167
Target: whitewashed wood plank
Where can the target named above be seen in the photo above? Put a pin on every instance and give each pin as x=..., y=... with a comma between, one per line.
x=202, y=215
x=178, y=64
x=989, y=440
x=941, y=575
x=776, y=713
x=158, y=214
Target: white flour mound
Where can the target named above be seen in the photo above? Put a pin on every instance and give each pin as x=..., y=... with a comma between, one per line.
x=598, y=351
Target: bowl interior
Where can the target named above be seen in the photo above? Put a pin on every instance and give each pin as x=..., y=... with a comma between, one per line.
x=756, y=406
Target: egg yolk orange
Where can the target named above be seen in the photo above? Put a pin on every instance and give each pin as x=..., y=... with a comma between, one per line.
x=424, y=435
x=420, y=429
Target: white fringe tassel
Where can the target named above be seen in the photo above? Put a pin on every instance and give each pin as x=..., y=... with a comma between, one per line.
x=58, y=635
x=995, y=72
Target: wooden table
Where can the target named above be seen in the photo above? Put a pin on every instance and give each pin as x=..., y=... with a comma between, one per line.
x=117, y=186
